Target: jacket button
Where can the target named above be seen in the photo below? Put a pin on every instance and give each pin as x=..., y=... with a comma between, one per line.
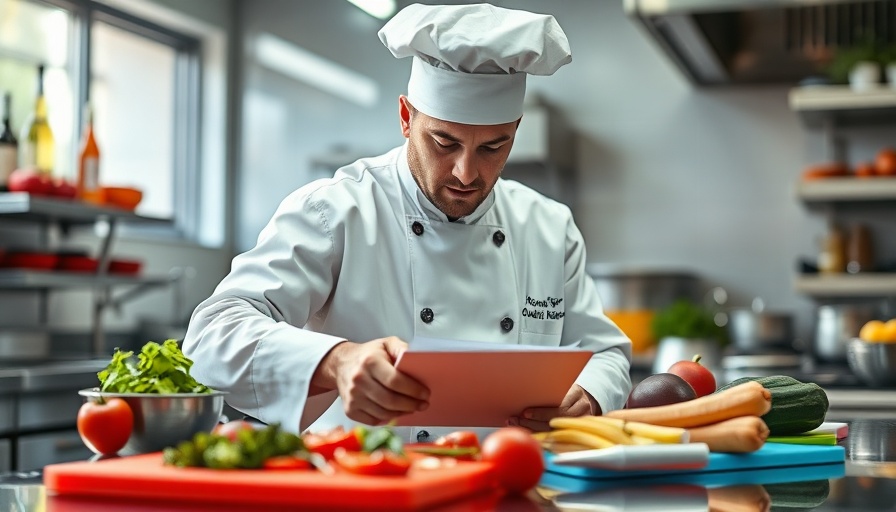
x=422, y=436
x=506, y=324
x=417, y=228
x=426, y=315
x=498, y=238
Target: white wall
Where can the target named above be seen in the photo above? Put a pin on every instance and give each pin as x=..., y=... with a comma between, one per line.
x=670, y=175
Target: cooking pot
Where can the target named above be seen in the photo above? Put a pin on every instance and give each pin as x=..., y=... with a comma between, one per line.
x=757, y=331
x=835, y=325
x=633, y=289
x=631, y=296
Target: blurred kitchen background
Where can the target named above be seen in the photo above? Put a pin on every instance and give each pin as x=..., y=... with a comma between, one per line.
x=701, y=145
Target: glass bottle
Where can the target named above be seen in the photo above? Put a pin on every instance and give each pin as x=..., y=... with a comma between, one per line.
x=89, y=162
x=38, y=148
x=9, y=146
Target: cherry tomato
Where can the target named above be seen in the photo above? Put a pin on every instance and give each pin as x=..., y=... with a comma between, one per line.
x=516, y=457
x=231, y=429
x=285, y=462
x=378, y=462
x=325, y=443
x=105, y=425
x=695, y=374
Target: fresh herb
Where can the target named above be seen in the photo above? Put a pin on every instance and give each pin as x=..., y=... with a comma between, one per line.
x=160, y=369
x=684, y=319
x=381, y=438
x=247, y=450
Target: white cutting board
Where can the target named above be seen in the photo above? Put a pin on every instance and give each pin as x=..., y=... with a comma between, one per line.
x=832, y=427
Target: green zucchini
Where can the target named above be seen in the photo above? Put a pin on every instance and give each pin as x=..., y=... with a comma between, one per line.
x=797, y=407
x=798, y=495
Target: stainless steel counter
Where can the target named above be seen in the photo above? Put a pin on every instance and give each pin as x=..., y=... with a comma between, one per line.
x=866, y=483
x=39, y=405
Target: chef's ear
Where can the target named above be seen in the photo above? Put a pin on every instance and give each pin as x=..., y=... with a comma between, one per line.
x=405, y=113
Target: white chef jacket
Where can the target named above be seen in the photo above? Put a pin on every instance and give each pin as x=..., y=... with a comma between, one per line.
x=365, y=255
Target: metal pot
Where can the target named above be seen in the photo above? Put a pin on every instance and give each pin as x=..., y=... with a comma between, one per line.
x=835, y=325
x=633, y=289
x=752, y=332
x=631, y=296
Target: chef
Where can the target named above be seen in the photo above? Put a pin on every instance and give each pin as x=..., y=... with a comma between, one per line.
x=426, y=240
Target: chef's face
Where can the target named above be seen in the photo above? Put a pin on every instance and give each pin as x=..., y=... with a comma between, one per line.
x=455, y=165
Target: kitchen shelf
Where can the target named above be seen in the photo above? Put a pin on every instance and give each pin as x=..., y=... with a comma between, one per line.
x=847, y=190
x=867, y=285
x=819, y=105
x=46, y=211
x=23, y=206
x=35, y=279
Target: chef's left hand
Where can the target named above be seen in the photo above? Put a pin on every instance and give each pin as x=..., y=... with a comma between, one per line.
x=577, y=402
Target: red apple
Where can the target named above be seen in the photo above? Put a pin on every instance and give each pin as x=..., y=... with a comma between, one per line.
x=62, y=188
x=695, y=374
x=31, y=181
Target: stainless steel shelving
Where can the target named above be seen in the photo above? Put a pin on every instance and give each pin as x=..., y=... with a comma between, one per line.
x=821, y=105
x=46, y=211
x=830, y=107
x=866, y=285
x=860, y=190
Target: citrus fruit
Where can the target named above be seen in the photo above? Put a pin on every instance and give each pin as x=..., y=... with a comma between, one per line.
x=873, y=331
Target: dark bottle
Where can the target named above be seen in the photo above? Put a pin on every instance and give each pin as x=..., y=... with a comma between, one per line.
x=9, y=146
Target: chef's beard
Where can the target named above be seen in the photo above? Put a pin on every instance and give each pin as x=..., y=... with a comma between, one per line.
x=452, y=208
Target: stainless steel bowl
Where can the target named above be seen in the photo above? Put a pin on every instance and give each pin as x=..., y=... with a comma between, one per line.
x=873, y=363
x=165, y=420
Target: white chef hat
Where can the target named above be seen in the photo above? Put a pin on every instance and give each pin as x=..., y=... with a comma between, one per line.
x=470, y=61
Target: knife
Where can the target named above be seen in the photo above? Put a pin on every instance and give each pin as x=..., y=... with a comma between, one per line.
x=633, y=457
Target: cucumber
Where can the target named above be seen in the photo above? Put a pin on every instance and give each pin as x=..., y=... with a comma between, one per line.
x=797, y=407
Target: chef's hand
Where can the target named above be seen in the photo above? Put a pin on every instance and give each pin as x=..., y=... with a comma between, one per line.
x=577, y=402
x=372, y=390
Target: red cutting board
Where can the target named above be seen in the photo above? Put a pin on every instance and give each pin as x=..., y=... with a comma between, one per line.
x=145, y=477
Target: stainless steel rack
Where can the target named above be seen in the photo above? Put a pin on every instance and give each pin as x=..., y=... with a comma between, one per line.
x=67, y=214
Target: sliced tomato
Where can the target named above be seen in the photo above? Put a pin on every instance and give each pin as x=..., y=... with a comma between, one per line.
x=285, y=462
x=459, y=439
x=326, y=443
x=231, y=429
x=378, y=462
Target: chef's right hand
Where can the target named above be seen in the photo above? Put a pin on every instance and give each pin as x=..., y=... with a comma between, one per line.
x=372, y=390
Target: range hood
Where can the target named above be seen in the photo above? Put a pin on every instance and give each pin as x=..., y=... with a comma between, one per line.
x=726, y=42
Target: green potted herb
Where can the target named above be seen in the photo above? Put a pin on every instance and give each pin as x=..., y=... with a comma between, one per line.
x=685, y=329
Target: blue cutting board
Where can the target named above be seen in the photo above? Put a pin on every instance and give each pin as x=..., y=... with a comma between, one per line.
x=778, y=475
x=771, y=455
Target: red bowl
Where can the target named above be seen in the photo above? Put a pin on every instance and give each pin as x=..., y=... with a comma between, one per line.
x=30, y=260
x=76, y=263
x=125, y=266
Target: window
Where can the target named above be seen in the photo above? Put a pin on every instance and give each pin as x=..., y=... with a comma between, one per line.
x=142, y=81
x=32, y=34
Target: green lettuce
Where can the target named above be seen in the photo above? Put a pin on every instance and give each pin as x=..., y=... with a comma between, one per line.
x=160, y=369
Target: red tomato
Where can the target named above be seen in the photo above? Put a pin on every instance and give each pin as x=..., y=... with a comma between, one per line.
x=379, y=462
x=459, y=439
x=516, y=457
x=325, y=443
x=231, y=429
x=105, y=426
x=884, y=162
x=695, y=374
x=285, y=462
